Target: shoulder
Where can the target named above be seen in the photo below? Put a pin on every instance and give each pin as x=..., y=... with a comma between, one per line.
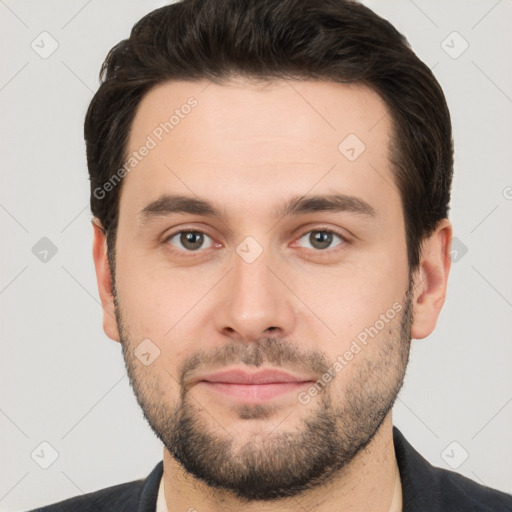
x=425, y=487
x=123, y=497
x=458, y=490
x=138, y=495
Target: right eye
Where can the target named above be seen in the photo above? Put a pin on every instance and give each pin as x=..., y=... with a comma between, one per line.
x=188, y=241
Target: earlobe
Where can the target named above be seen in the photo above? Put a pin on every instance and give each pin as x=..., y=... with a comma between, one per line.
x=104, y=280
x=431, y=280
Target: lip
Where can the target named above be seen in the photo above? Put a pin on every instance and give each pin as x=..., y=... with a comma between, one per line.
x=267, y=376
x=253, y=387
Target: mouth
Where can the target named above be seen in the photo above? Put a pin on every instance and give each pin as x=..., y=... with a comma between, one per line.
x=253, y=387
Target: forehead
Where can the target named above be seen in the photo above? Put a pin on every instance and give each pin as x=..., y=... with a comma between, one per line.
x=268, y=138
x=306, y=110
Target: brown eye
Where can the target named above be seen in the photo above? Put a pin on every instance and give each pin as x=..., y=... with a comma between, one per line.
x=189, y=240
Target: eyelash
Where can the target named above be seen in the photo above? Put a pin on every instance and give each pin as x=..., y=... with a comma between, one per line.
x=199, y=252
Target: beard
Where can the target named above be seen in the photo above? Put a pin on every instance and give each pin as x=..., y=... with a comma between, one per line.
x=280, y=464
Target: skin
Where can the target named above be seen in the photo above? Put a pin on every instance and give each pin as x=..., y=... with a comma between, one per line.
x=248, y=148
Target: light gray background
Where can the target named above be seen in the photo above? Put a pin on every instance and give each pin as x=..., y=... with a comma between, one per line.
x=63, y=381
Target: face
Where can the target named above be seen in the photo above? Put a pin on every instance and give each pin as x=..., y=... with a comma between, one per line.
x=264, y=313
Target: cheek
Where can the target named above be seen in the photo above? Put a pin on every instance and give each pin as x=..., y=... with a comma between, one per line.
x=352, y=297
x=153, y=297
x=370, y=358
x=163, y=305
x=156, y=385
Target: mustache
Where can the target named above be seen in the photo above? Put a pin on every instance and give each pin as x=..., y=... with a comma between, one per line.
x=273, y=351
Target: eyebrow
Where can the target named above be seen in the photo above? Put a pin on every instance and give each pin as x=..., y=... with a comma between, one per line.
x=171, y=204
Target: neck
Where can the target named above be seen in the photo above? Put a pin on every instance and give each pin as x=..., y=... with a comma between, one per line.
x=370, y=482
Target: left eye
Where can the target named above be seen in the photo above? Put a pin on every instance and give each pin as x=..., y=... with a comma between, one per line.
x=321, y=239
x=190, y=240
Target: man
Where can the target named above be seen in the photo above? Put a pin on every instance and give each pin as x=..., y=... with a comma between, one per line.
x=270, y=184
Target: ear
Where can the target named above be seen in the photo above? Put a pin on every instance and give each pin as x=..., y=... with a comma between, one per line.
x=104, y=280
x=431, y=279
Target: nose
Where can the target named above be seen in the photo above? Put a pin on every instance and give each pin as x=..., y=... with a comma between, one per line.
x=253, y=302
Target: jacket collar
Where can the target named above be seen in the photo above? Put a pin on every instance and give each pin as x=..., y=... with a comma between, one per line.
x=149, y=493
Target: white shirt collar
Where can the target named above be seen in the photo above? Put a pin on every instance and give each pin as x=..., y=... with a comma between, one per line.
x=161, y=505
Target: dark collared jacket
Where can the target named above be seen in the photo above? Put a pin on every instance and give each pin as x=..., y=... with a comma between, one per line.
x=425, y=488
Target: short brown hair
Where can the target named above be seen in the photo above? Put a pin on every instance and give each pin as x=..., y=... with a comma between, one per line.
x=337, y=40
